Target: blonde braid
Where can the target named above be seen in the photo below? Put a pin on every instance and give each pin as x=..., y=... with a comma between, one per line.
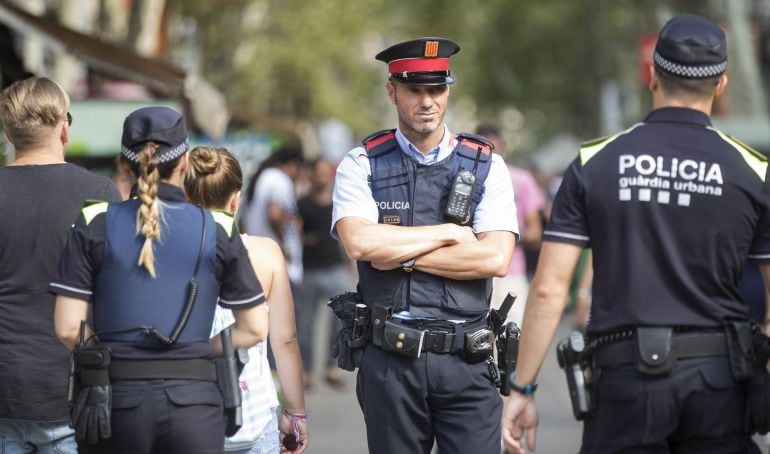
x=148, y=216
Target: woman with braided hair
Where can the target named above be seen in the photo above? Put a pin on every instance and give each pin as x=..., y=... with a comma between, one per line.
x=153, y=268
x=214, y=182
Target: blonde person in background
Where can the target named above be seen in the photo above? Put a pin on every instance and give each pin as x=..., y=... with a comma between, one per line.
x=215, y=182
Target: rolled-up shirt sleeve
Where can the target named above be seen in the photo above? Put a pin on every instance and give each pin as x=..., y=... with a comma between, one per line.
x=352, y=194
x=240, y=288
x=497, y=209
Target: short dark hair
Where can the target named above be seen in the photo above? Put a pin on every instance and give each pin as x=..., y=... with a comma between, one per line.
x=684, y=87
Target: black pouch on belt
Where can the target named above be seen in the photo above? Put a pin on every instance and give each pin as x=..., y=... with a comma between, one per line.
x=758, y=386
x=740, y=348
x=655, y=355
x=403, y=339
x=92, y=410
x=380, y=315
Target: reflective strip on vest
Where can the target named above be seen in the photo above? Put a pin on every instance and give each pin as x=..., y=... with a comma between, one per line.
x=226, y=220
x=756, y=161
x=93, y=210
x=590, y=149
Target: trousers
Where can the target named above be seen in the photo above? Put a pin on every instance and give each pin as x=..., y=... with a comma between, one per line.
x=164, y=416
x=698, y=408
x=408, y=403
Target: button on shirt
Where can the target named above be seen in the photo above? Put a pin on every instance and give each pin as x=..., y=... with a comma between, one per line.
x=353, y=195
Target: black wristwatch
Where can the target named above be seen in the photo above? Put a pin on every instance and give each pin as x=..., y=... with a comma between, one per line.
x=526, y=390
x=408, y=266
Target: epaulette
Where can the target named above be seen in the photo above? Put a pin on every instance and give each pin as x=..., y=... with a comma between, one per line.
x=757, y=154
x=378, y=138
x=93, y=208
x=592, y=142
x=471, y=144
x=226, y=220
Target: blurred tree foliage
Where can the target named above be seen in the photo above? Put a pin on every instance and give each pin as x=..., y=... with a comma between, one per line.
x=311, y=60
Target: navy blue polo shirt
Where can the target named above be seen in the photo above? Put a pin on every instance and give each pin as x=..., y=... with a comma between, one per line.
x=82, y=259
x=671, y=208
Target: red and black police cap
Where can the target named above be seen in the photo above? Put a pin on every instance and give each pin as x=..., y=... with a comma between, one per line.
x=691, y=47
x=422, y=61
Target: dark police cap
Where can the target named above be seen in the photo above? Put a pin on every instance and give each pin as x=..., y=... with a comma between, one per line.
x=423, y=61
x=161, y=125
x=691, y=47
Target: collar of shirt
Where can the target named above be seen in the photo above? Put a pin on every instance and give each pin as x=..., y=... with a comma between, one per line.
x=166, y=192
x=433, y=156
x=678, y=115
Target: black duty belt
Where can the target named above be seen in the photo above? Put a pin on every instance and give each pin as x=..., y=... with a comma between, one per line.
x=182, y=369
x=448, y=339
x=695, y=345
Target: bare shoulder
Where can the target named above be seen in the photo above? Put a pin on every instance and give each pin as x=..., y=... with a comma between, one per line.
x=263, y=247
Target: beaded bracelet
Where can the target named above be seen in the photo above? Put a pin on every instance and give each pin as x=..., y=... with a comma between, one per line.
x=300, y=416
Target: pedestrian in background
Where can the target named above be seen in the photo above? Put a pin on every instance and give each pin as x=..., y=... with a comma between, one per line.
x=40, y=197
x=214, y=182
x=671, y=208
x=530, y=202
x=325, y=271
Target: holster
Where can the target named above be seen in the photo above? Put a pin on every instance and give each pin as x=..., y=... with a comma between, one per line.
x=655, y=355
x=228, y=373
x=380, y=315
x=758, y=386
x=92, y=400
x=402, y=339
x=349, y=342
x=740, y=349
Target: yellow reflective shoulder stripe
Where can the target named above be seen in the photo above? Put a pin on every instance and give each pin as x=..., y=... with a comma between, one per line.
x=225, y=220
x=589, y=149
x=91, y=210
x=756, y=161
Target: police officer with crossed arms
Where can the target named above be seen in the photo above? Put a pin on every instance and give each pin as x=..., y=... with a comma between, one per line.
x=428, y=274
x=671, y=207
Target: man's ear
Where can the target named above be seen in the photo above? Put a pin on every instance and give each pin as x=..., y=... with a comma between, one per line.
x=721, y=86
x=654, y=81
x=391, y=88
x=64, y=135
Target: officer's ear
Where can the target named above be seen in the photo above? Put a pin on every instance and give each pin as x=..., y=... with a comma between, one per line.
x=391, y=88
x=184, y=163
x=654, y=81
x=721, y=86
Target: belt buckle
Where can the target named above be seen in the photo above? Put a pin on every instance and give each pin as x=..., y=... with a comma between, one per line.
x=440, y=341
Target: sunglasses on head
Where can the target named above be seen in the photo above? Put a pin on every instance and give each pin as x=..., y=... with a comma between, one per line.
x=69, y=119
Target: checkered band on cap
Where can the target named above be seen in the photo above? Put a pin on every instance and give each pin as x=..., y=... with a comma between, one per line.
x=692, y=72
x=166, y=155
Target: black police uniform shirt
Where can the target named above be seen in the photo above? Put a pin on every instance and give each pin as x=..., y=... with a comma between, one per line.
x=671, y=208
x=84, y=254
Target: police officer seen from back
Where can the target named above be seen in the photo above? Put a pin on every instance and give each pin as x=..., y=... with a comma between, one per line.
x=140, y=263
x=670, y=207
x=425, y=275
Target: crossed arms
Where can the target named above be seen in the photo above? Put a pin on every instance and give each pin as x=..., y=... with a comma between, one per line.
x=445, y=250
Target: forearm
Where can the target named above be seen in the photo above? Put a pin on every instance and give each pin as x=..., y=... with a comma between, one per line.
x=289, y=367
x=384, y=243
x=541, y=319
x=488, y=257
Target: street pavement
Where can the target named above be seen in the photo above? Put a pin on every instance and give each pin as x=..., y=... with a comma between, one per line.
x=336, y=423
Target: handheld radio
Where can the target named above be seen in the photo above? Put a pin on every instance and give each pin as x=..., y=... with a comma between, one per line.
x=458, y=206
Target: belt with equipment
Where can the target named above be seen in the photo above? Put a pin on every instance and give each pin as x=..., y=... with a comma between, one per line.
x=689, y=345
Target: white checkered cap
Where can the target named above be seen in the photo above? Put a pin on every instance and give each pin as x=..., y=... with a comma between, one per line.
x=691, y=72
x=165, y=156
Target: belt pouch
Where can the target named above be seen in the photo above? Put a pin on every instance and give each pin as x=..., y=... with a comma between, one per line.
x=654, y=352
x=403, y=339
x=380, y=315
x=740, y=348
